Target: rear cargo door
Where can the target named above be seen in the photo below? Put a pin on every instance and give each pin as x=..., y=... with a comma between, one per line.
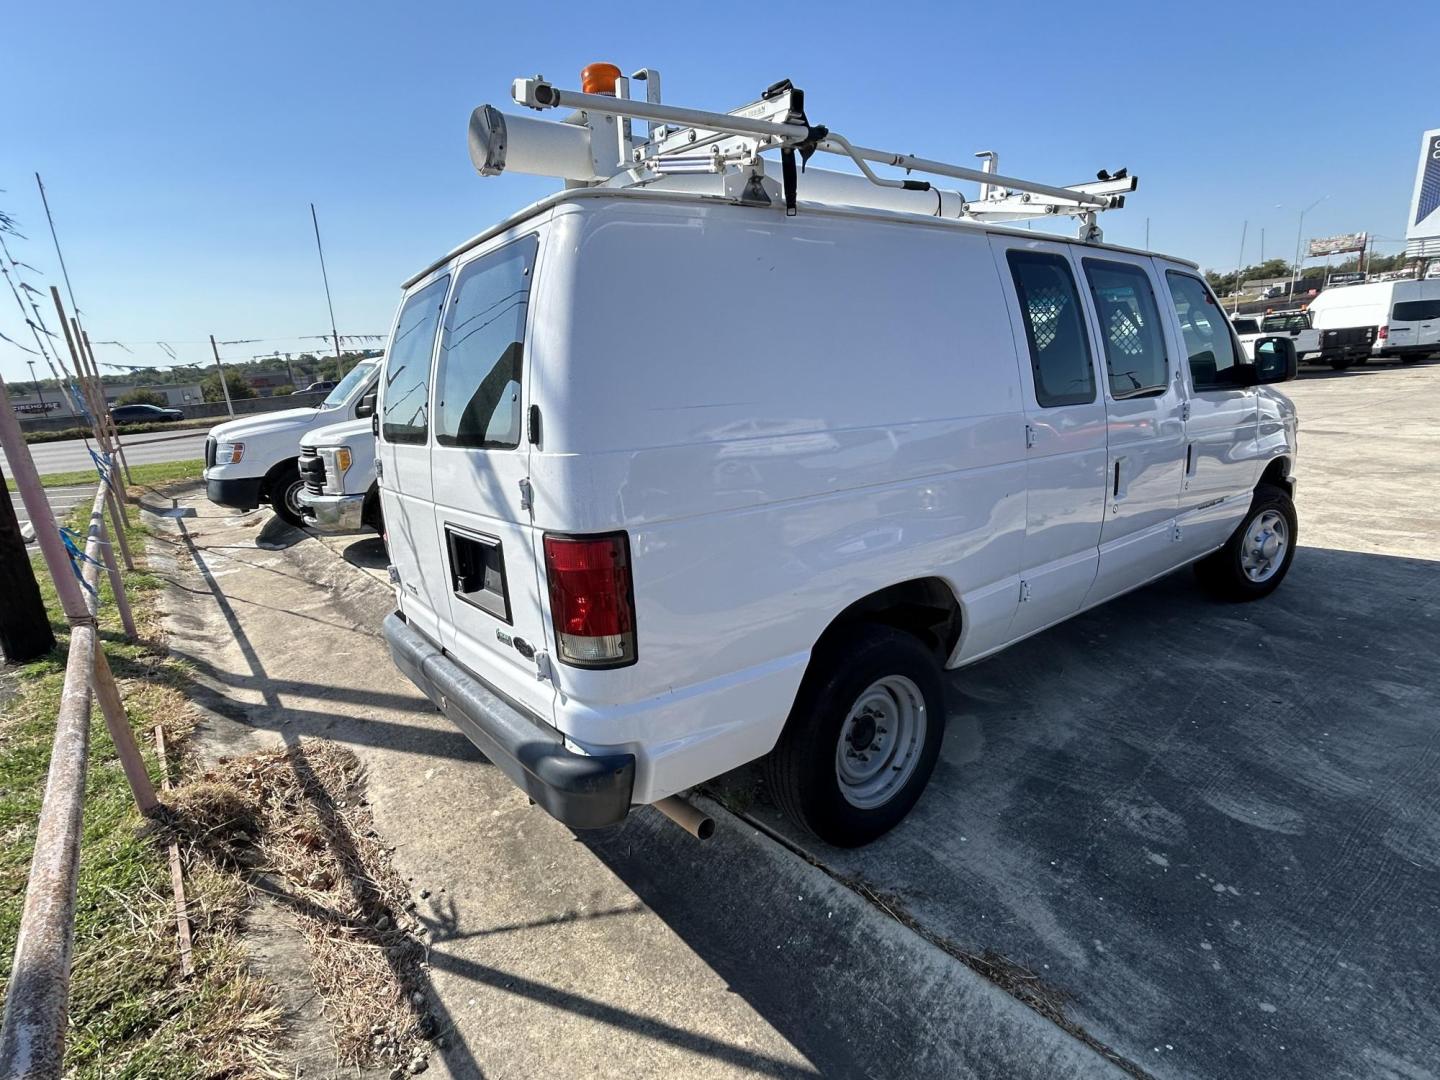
x=480, y=458
x=403, y=456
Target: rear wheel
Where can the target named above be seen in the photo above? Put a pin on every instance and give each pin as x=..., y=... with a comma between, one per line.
x=1258, y=554
x=284, y=487
x=1340, y=363
x=862, y=738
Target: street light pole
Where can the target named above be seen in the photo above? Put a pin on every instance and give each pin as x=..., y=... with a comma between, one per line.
x=38, y=392
x=1299, y=232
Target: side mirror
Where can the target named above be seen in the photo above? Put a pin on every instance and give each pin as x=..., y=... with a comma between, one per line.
x=366, y=406
x=1275, y=360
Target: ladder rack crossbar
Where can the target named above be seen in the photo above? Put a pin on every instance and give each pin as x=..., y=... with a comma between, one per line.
x=538, y=94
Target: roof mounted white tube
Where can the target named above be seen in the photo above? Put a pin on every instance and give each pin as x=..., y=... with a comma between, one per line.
x=507, y=143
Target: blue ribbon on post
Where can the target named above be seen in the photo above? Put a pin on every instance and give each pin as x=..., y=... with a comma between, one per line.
x=78, y=556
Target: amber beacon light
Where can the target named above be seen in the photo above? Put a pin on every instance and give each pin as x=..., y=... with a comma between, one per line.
x=599, y=78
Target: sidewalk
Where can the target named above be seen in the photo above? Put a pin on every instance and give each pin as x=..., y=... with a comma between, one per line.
x=635, y=952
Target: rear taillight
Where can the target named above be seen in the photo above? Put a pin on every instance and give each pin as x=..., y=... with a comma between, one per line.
x=591, y=599
x=1383, y=333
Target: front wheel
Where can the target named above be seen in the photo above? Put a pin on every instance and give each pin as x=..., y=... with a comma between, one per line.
x=285, y=487
x=1258, y=554
x=862, y=738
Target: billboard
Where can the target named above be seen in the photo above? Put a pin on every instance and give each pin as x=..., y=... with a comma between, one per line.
x=1337, y=245
x=1422, y=228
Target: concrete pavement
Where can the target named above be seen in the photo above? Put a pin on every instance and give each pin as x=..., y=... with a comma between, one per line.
x=636, y=952
x=1214, y=828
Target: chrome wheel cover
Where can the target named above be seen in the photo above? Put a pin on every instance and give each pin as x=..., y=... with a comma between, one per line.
x=1262, y=552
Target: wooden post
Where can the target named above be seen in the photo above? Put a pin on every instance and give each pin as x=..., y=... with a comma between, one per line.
x=25, y=632
x=119, y=519
x=177, y=876
x=224, y=386
x=114, y=428
x=47, y=534
x=122, y=735
x=117, y=584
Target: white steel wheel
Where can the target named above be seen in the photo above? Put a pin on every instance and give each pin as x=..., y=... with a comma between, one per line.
x=880, y=742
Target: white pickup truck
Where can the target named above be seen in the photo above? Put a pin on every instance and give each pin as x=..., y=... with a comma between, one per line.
x=337, y=466
x=1292, y=324
x=255, y=459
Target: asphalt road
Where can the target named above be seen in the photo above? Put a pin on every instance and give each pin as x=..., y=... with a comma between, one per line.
x=70, y=455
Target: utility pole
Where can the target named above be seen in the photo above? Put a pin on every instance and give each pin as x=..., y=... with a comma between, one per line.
x=1147, y=234
x=39, y=393
x=326, y=278
x=1239, y=264
x=25, y=632
x=224, y=386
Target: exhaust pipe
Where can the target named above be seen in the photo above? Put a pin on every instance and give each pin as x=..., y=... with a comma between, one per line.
x=697, y=824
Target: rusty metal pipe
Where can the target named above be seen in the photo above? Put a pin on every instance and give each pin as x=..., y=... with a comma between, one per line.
x=32, y=1039
x=698, y=824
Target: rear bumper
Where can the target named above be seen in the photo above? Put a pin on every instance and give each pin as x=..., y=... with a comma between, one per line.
x=1408, y=350
x=240, y=493
x=334, y=513
x=582, y=791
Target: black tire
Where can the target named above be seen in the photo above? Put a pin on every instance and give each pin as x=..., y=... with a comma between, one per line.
x=802, y=772
x=283, y=487
x=1340, y=363
x=1224, y=573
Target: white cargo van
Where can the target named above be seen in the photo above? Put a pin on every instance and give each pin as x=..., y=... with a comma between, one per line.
x=256, y=459
x=1402, y=316
x=675, y=478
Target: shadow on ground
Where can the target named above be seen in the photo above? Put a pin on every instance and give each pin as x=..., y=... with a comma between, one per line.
x=1214, y=828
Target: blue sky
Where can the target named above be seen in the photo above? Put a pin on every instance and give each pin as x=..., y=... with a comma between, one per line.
x=181, y=144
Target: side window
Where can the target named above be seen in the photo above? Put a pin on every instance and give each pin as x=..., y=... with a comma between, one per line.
x=1130, y=327
x=1416, y=310
x=406, y=409
x=1054, y=328
x=482, y=349
x=1213, y=356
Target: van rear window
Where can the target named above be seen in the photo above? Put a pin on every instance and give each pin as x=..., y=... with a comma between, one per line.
x=1054, y=328
x=405, y=408
x=482, y=349
x=1416, y=310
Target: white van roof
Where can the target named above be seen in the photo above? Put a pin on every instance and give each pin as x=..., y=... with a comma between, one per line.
x=661, y=194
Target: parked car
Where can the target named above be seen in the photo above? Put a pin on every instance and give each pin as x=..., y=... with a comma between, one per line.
x=255, y=459
x=317, y=387
x=144, y=414
x=1399, y=319
x=1273, y=291
x=859, y=447
x=337, y=465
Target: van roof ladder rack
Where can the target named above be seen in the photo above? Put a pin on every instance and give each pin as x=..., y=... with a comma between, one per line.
x=594, y=145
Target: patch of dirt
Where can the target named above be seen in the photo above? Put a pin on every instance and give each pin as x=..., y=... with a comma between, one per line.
x=294, y=824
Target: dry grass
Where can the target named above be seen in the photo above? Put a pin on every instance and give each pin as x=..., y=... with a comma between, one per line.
x=132, y=1014
x=293, y=824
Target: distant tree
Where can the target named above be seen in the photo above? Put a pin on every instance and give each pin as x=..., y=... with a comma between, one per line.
x=143, y=396
x=210, y=389
x=283, y=390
